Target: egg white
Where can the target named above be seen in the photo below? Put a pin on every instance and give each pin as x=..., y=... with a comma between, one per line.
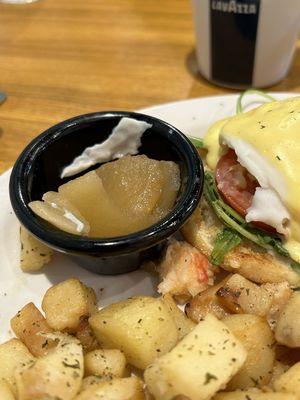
x=268, y=203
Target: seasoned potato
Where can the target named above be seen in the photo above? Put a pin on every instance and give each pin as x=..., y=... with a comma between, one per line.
x=110, y=363
x=13, y=354
x=89, y=381
x=58, y=374
x=141, y=327
x=289, y=381
x=280, y=292
x=206, y=302
x=200, y=365
x=86, y=336
x=278, y=369
x=184, y=324
x=5, y=392
x=34, y=254
x=66, y=303
x=116, y=389
x=257, y=338
x=241, y=296
x=27, y=324
x=287, y=330
x=251, y=395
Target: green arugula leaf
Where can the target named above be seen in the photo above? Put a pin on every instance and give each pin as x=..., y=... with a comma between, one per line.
x=226, y=240
x=197, y=142
x=239, y=107
x=238, y=224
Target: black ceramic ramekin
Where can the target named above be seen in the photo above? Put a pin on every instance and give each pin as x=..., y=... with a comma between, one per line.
x=38, y=169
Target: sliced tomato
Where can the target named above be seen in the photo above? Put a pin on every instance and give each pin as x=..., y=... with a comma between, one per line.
x=237, y=186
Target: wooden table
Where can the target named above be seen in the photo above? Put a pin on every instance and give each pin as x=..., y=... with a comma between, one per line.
x=60, y=58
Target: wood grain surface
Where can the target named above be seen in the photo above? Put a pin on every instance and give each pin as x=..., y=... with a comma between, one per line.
x=60, y=58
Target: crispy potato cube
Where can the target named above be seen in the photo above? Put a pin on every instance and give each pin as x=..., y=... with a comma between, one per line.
x=278, y=369
x=200, y=365
x=141, y=327
x=257, y=338
x=289, y=381
x=251, y=395
x=116, y=389
x=27, y=324
x=86, y=336
x=34, y=254
x=110, y=363
x=287, y=330
x=205, y=303
x=5, y=392
x=66, y=303
x=13, y=354
x=58, y=374
x=89, y=381
x=183, y=323
x=241, y=296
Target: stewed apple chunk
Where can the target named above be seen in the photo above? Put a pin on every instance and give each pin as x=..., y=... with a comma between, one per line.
x=120, y=197
x=134, y=184
x=60, y=212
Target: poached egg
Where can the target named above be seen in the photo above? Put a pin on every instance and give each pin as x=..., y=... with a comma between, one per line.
x=266, y=141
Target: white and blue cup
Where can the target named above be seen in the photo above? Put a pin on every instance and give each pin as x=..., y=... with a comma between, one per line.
x=245, y=43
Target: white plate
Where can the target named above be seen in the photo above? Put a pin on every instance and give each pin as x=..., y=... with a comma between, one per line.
x=192, y=117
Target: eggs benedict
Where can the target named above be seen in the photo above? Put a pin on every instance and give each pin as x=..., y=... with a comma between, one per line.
x=252, y=185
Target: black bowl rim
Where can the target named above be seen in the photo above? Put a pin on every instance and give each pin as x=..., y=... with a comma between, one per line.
x=69, y=243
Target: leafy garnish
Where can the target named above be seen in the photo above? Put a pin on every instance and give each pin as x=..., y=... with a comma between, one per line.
x=197, y=142
x=239, y=106
x=235, y=222
x=295, y=266
x=226, y=240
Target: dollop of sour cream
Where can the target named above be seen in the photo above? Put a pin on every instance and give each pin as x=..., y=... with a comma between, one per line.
x=125, y=139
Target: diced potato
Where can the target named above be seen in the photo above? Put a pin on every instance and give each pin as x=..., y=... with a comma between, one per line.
x=12, y=355
x=289, y=381
x=110, y=363
x=86, y=336
x=183, y=323
x=66, y=303
x=251, y=395
x=200, y=365
x=90, y=381
x=89, y=196
x=141, y=327
x=241, y=296
x=27, y=324
x=34, y=254
x=205, y=303
x=116, y=389
x=278, y=369
x=257, y=338
x=280, y=292
x=287, y=330
x=61, y=213
x=5, y=392
x=58, y=374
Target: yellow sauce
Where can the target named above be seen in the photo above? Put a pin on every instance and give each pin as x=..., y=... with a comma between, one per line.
x=273, y=129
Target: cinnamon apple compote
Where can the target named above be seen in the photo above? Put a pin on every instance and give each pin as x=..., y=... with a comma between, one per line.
x=120, y=197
